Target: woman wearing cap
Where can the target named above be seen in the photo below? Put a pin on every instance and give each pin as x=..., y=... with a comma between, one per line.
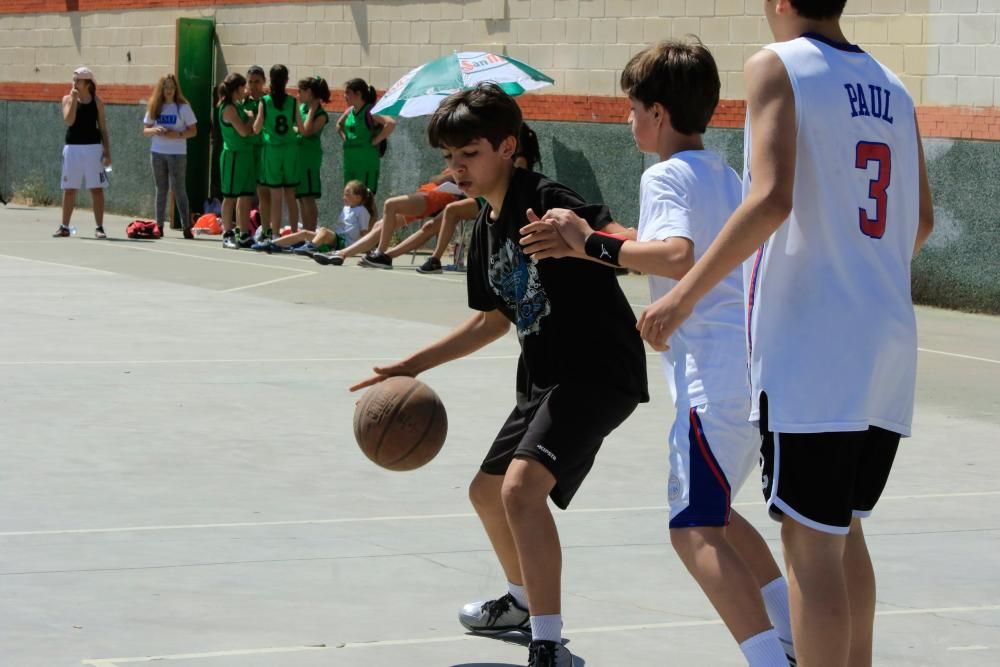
x=170, y=122
x=87, y=151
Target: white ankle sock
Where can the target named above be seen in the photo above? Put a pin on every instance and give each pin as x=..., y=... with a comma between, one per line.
x=547, y=628
x=519, y=595
x=764, y=650
x=776, y=603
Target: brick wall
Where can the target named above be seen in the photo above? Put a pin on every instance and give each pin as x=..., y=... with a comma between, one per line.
x=946, y=51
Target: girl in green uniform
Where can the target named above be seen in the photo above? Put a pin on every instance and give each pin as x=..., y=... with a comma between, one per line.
x=256, y=80
x=277, y=119
x=362, y=133
x=312, y=94
x=236, y=163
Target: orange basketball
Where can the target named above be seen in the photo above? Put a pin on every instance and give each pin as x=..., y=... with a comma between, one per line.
x=400, y=423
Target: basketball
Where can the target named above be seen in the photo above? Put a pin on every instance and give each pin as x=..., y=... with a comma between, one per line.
x=400, y=423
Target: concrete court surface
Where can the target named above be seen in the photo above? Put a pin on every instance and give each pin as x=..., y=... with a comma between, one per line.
x=180, y=484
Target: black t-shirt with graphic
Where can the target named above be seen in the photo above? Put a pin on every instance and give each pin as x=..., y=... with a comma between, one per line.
x=573, y=320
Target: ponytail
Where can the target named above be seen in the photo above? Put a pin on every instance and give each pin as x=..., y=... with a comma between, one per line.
x=228, y=87
x=361, y=87
x=279, y=79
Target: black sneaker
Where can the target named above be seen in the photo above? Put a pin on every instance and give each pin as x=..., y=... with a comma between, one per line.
x=246, y=241
x=188, y=234
x=229, y=241
x=432, y=265
x=494, y=617
x=61, y=232
x=377, y=260
x=548, y=654
x=327, y=258
x=99, y=233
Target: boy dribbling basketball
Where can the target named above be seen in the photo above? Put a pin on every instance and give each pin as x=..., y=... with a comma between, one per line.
x=563, y=311
x=685, y=199
x=836, y=203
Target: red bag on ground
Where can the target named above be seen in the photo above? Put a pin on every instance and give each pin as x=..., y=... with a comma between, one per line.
x=210, y=223
x=254, y=220
x=143, y=229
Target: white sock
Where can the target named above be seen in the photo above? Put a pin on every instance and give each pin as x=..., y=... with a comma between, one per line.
x=519, y=595
x=547, y=628
x=776, y=603
x=764, y=650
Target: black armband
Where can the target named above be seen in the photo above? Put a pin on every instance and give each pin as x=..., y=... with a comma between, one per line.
x=604, y=247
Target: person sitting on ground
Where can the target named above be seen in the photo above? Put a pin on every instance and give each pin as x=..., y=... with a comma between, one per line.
x=444, y=225
x=429, y=200
x=359, y=209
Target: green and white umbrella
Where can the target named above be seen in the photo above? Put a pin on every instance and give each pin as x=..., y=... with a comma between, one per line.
x=422, y=90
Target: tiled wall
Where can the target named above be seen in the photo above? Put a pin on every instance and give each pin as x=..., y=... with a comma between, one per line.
x=946, y=50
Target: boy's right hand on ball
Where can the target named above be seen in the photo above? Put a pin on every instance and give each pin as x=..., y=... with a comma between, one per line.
x=383, y=373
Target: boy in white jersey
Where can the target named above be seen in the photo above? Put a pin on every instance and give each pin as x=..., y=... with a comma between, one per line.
x=835, y=210
x=673, y=88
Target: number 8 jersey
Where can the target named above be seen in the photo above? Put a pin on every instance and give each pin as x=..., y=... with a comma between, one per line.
x=830, y=322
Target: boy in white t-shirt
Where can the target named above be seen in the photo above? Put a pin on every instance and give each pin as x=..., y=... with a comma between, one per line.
x=673, y=88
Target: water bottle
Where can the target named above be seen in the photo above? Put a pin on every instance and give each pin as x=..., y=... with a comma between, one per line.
x=72, y=230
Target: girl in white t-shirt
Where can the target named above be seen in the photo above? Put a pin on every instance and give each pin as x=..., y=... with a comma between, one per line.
x=170, y=122
x=358, y=211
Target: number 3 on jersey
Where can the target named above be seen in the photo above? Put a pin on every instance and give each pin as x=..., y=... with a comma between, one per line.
x=868, y=152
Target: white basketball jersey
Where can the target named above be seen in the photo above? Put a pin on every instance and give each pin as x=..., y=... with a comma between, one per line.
x=831, y=329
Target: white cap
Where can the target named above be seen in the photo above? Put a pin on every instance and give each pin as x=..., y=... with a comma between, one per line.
x=84, y=73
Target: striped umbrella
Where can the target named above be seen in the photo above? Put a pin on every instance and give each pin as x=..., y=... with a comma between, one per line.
x=422, y=90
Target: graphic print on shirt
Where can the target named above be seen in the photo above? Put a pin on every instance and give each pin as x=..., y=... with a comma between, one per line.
x=516, y=281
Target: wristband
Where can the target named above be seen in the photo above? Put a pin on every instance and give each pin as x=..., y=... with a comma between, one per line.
x=604, y=247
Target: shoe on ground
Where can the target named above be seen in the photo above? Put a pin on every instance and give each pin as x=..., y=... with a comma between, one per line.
x=188, y=234
x=261, y=246
x=493, y=617
x=307, y=249
x=432, y=265
x=377, y=260
x=246, y=241
x=99, y=233
x=273, y=247
x=229, y=241
x=328, y=258
x=61, y=232
x=548, y=654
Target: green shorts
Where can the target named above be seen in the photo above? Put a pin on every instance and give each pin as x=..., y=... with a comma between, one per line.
x=238, y=173
x=362, y=165
x=309, y=183
x=258, y=161
x=281, y=165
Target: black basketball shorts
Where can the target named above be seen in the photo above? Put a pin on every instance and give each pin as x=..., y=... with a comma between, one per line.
x=563, y=430
x=823, y=480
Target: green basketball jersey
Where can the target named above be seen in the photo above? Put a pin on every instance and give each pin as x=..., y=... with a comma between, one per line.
x=279, y=123
x=356, y=129
x=231, y=138
x=251, y=105
x=313, y=143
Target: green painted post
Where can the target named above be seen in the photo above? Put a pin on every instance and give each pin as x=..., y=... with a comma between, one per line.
x=195, y=72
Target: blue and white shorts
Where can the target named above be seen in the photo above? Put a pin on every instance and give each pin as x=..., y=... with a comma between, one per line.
x=713, y=449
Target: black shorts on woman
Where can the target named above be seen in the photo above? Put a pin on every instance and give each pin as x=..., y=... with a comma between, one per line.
x=582, y=369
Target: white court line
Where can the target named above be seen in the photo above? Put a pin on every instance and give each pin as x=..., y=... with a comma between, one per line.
x=960, y=356
x=65, y=266
x=160, y=362
x=201, y=257
x=417, y=517
x=973, y=647
x=111, y=662
x=407, y=273
x=270, y=282
x=919, y=349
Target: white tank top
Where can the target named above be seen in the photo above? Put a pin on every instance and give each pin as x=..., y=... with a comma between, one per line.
x=831, y=329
